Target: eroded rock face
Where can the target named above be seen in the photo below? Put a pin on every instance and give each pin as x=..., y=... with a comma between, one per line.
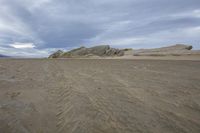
x=101, y=50
x=57, y=54
x=113, y=52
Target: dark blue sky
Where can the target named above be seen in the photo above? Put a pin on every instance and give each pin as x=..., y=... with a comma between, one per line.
x=37, y=27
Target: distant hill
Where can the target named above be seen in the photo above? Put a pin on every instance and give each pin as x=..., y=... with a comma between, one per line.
x=3, y=56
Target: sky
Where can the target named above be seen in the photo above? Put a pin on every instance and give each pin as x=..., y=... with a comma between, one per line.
x=36, y=28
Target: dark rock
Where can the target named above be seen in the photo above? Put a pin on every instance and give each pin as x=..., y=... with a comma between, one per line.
x=57, y=54
x=114, y=52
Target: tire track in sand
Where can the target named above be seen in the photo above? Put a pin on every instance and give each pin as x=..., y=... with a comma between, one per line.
x=60, y=94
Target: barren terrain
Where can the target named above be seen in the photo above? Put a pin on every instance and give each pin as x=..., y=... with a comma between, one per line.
x=99, y=96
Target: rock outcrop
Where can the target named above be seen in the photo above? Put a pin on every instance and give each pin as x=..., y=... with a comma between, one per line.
x=101, y=51
x=176, y=50
x=107, y=51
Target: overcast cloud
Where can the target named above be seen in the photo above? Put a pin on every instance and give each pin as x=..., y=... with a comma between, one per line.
x=35, y=28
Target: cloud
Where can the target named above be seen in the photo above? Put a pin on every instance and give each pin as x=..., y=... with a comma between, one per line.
x=194, y=13
x=22, y=45
x=63, y=24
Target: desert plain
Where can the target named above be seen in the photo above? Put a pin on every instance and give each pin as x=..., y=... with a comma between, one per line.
x=99, y=96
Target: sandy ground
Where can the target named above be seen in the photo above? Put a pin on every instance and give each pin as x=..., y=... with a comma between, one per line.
x=99, y=96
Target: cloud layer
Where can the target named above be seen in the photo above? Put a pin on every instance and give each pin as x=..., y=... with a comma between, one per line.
x=47, y=25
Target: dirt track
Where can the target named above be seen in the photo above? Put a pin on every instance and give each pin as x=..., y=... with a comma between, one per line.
x=99, y=96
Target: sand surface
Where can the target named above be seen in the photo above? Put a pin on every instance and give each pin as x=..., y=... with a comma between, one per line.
x=99, y=96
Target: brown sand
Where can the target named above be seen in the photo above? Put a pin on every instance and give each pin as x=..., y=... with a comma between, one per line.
x=99, y=96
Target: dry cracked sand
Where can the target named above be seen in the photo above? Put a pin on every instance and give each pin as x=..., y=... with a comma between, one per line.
x=99, y=96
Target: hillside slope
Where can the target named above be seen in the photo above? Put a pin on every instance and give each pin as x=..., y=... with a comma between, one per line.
x=176, y=50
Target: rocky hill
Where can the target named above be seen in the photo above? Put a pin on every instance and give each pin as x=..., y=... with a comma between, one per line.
x=107, y=51
x=100, y=51
x=176, y=50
